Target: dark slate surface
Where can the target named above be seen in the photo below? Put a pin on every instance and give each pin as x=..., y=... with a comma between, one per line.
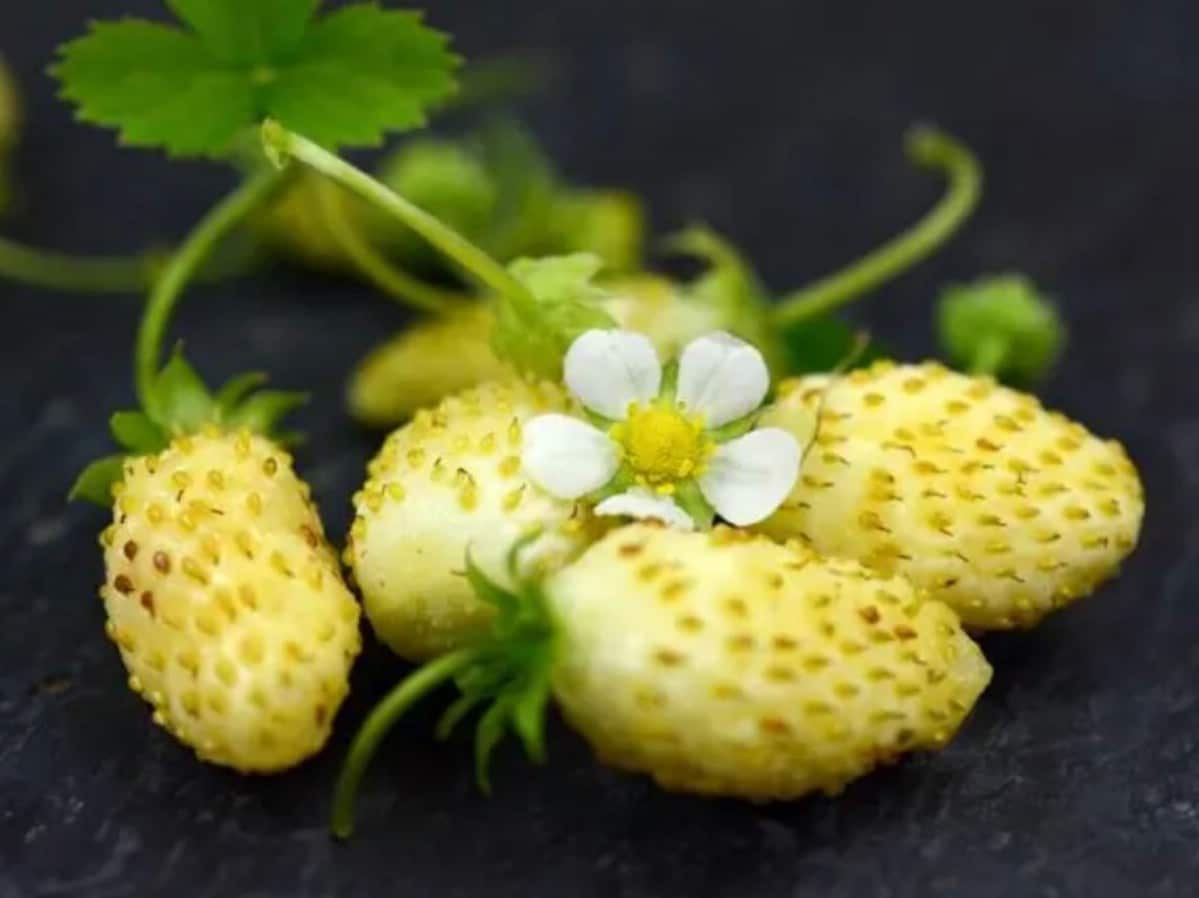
x=779, y=122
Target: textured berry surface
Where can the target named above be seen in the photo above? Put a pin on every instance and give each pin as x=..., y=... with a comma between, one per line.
x=1001, y=509
x=227, y=603
x=445, y=483
x=725, y=663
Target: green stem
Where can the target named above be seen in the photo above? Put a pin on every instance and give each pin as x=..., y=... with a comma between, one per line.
x=84, y=274
x=488, y=82
x=183, y=265
x=282, y=144
x=393, y=281
x=990, y=356
x=379, y=723
x=927, y=148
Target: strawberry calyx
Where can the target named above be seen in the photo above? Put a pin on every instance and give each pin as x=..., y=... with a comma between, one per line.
x=174, y=399
x=183, y=404
x=506, y=671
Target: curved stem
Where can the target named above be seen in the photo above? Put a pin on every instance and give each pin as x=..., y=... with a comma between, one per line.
x=84, y=274
x=990, y=356
x=379, y=723
x=282, y=144
x=392, y=280
x=927, y=148
x=181, y=268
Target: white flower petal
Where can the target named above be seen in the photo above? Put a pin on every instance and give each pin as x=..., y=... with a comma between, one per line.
x=567, y=457
x=643, y=504
x=608, y=370
x=749, y=477
x=722, y=377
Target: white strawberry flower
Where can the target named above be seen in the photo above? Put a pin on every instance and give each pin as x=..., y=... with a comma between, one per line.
x=672, y=446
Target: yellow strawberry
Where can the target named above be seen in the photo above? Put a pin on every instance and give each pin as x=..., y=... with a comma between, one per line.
x=226, y=601
x=449, y=481
x=443, y=355
x=999, y=508
x=721, y=663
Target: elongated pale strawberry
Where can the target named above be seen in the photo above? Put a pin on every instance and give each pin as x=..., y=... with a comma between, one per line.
x=445, y=355
x=721, y=663
x=449, y=481
x=419, y=366
x=1001, y=509
x=226, y=601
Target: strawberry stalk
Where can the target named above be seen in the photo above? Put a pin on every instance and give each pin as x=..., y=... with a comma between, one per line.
x=84, y=274
x=182, y=267
x=384, y=716
x=927, y=148
x=282, y=145
x=392, y=280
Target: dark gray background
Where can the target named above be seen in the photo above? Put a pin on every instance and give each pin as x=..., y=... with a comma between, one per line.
x=778, y=122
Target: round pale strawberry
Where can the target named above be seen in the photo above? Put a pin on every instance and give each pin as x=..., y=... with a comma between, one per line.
x=721, y=663
x=1001, y=509
x=449, y=481
x=226, y=601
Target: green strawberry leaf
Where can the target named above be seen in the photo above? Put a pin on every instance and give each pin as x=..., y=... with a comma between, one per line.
x=536, y=339
x=137, y=432
x=344, y=79
x=96, y=482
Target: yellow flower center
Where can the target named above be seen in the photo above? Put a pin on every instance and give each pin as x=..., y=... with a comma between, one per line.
x=662, y=446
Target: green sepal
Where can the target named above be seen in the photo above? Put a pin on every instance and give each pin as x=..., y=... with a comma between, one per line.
x=262, y=412
x=733, y=429
x=691, y=499
x=535, y=338
x=181, y=401
x=137, y=432
x=512, y=671
x=236, y=389
x=97, y=480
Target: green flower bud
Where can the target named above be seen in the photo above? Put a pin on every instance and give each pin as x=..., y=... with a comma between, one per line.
x=1002, y=326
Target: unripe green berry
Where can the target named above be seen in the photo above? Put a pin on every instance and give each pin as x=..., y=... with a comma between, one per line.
x=1000, y=325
